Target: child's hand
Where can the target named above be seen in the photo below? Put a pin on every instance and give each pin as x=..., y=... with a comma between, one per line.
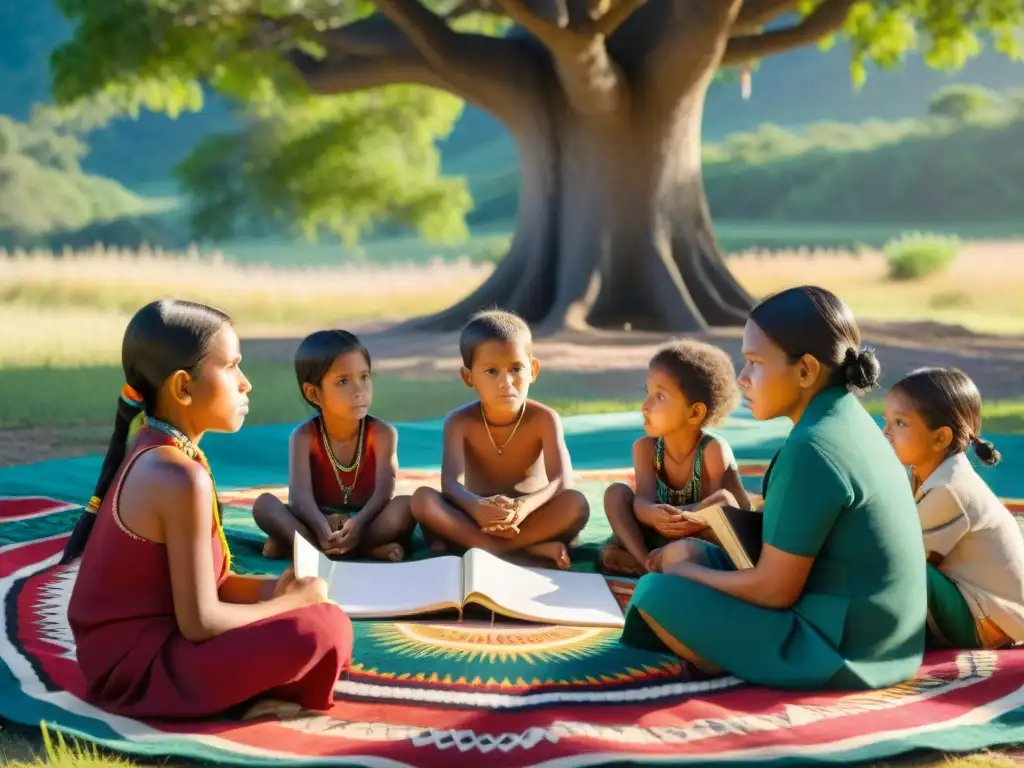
x=671, y=523
x=283, y=581
x=497, y=511
x=309, y=590
x=345, y=539
x=502, y=531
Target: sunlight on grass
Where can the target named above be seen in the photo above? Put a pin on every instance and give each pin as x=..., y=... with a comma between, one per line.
x=981, y=290
x=115, y=284
x=72, y=311
x=90, y=396
x=61, y=753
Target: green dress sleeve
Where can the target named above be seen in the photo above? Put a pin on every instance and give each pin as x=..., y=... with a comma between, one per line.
x=806, y=496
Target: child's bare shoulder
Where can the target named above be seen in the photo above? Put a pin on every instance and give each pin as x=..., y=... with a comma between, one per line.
x=540, y=415
x=718, y=455
x=643, y=446
x=299, y=438
x=170, y=477
x=381, y=431
x=463, y=415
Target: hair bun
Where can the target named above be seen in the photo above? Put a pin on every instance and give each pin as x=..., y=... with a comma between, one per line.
x=861, y=369
x=986, y=452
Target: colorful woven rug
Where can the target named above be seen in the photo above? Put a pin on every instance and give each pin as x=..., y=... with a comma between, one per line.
x=441, y=693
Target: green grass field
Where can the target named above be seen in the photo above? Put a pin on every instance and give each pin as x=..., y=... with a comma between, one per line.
x=27, y=396
x=84, y=414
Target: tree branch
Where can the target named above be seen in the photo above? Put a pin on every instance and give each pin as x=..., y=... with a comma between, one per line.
x=467, y=7
x=373, y=36
x=347, y=74
x=549, y=34
x=756, y=13
x=606, y=24
x=428, y=32
x=827, y=18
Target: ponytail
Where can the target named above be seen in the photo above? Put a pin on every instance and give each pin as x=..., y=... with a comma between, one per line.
x=129, y=418
x=985, y=451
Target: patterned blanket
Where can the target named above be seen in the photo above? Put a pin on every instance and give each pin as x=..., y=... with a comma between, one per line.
x=441, y=693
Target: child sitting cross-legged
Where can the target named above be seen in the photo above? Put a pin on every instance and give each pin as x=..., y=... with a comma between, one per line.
x=679, y=468
x=342, y=464
x=506, y=476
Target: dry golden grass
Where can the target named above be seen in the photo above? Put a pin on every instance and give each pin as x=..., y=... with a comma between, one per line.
x=982, y=290
x=258, y=296
x=72, y=310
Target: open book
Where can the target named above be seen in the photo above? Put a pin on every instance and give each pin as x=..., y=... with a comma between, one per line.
x=384, y=590
x=739, y=531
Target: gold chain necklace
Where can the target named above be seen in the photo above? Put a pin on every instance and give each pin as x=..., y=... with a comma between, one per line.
x=501, y=448
x=337, y=465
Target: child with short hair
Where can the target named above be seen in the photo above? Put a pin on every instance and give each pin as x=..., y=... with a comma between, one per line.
x=679, y=468
x=163, y=628
x=343, y=462
x=506, y=475
x=974, y=546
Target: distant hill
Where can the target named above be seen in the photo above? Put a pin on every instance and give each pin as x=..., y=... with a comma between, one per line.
x=797, y=88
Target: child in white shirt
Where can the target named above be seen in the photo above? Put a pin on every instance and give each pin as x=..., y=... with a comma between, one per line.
x=975, y=548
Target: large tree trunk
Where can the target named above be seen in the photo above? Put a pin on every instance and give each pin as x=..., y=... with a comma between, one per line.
x=613, y=229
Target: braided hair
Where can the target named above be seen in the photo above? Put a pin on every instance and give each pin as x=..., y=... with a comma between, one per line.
x=163, y=337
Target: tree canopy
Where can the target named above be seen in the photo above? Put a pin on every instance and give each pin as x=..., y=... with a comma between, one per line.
x=339, y=130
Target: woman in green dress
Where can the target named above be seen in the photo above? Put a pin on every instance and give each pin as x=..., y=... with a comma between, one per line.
x=837, y=599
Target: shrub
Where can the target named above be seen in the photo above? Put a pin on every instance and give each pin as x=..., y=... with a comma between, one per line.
x=961, y=102
x=916, y=255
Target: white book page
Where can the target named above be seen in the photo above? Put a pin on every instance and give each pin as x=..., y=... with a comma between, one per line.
x=539, y=594
x=383, y=589
x=308, y=561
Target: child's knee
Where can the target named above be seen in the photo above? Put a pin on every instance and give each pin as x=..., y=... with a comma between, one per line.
x=265, y=506
x=423, y=502
x=618, y=496
x=578, y=505
x=403, y=512
x=682, y=551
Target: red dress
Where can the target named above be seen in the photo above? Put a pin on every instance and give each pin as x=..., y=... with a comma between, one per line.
x=326, y=489
x=134, y=659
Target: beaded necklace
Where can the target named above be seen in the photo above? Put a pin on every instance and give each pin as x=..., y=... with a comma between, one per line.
x=337, y=466
x=194, y=452
x=690, y=493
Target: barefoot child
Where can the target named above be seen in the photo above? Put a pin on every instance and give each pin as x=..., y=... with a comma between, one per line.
x=505, y=473
x=163, y=628
x=679, y=468
x=975, y=551
x=342, y=464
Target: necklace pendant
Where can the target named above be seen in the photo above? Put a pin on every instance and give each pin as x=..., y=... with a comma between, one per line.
x=345, y=497
x=500, y=452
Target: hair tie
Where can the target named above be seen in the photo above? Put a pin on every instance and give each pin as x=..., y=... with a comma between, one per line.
x=851, y=356
x=131, y=396
x=975, y=439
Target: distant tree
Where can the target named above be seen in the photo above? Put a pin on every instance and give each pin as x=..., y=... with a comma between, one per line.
x=962, y=101
x=604, y=99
